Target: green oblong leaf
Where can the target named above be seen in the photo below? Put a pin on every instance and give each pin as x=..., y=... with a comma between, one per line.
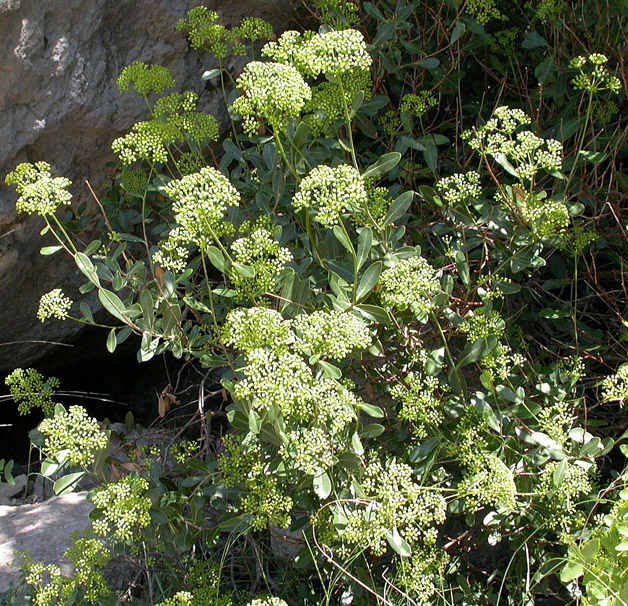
x=67, y=483
x=383, y=165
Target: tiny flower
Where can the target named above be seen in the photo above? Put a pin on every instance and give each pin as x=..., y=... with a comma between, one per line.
x=410, y=284
x=145, y=78
x=40, y=192
x=331, y=192
x=75, y=432
x=54, y=305
x=272, y=92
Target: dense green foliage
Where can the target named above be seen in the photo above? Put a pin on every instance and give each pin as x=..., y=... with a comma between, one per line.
x=405, y=268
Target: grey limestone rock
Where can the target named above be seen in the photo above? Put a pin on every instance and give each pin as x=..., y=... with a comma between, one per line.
x=43, y=530
x=59, y=61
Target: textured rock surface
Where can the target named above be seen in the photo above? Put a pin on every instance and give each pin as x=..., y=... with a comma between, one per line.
x=59, y=61
x=42, y=530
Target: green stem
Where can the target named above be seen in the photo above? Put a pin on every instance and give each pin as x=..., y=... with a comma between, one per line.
x=283, y=155
x=64, y=233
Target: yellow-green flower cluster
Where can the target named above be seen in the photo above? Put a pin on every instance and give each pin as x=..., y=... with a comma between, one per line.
x=204, y=33
x=556, y=421
x=500, y=362
x=615, y=387
x=483, y=10
x=281, y=381
x=397, y=502
x=29, y=389
x=123, y=508
x=332, y=53
x=180, y=112
x=132, y=181
x=594, y=76
x=410, y=284
x=248, y=329
x=54, y=304
x=460, y=187
x=547, y=218
x=272, y=92
x=267, y=601
x=89, y=556
x=482, y=324
x=181, y=598
x=254, y=28
x=201, y=201
x=489, y=483
x=548, y=10
x=147, y=141
x=330, y=334
x=331, y=192
x=421, y=405
x=335, y=53
x=417, y=105
x=265, y=500
x=172, y=253
x=311, y=450
x=415, y=575
x=47, y=582
x=75, y=432
x=40, y=192
x=262, y=252
x=145, y=78
x=576, y=483
x=184, y=450
x=338, y=13
x=529, y=152
x=332, y=406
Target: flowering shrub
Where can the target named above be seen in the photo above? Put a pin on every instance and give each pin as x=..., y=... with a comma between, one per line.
x=392, y=277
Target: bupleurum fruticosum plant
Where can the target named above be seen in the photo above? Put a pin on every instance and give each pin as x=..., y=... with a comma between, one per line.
x=387, y=398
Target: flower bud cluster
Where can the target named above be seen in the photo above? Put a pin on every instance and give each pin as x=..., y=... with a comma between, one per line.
x=145, y=78
x=330, y=9
x=272, y=92
x=417, y=105
x=410, y=284
x=594, y=76
x=575, y=483
x=40, y=192
x=330, y=334
x=46, y=580
x=482, y=324
x=283, y=381
x=201, y=201
x=254, y=28
x=529, y=152
x=331, y=192
x=180, y=112
x=489, y=483
x=249, y=329
x=547, y=218
x=265, y=500
x=204, y=32
x=329, y=100
x=262, y=252
x=415, y=575
x=397, y=502
x=181, y=598
x=421, y=405
x=75, y=432
x=458, y=188
x=123, y=508
x=311, y=451
x=333, y=53
x=483, y=10
x=171, y=253
x=29, y=390
x=615, y=387
x=267, y=601
x=54, y=304
x=88, y=556
x=556, y=421
x=147, y=141
x=500, y=362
